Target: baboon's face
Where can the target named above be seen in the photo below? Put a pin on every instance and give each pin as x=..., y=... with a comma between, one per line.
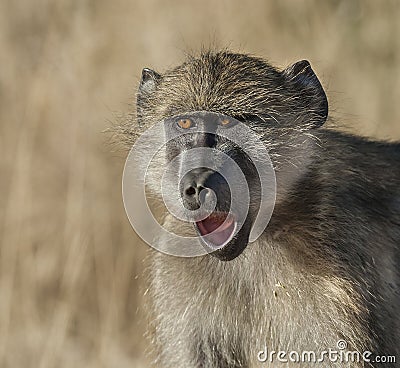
x=281, y=107
x=194, y=139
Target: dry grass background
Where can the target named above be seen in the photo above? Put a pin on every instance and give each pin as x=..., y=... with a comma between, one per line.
x=70, y=265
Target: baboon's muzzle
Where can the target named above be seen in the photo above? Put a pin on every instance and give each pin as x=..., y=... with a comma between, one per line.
x=197, y=186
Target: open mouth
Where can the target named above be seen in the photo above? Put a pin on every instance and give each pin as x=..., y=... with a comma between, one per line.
x=218, y=229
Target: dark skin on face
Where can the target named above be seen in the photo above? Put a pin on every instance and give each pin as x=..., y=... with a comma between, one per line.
x=218, y=229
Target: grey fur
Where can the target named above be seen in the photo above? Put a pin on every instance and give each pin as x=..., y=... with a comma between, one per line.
x=327, y=266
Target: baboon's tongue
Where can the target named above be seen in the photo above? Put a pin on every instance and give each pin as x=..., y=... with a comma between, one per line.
x=218, y=228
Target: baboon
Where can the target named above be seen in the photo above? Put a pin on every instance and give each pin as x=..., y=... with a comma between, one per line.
x=326, y=267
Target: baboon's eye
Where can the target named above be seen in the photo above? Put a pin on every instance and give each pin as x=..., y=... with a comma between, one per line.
x=225, y=122
x=185, y=123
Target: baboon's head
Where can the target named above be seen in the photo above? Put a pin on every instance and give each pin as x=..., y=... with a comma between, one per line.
x=281, y=107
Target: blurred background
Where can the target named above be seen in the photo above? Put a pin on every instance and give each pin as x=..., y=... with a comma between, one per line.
x=71, y=267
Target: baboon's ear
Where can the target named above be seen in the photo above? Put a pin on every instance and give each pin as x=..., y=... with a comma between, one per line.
x=302, y=76
x=149, y=80
x=148, y=84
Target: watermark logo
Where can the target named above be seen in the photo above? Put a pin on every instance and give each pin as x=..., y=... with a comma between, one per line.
x=150, y=169
x=339, y=354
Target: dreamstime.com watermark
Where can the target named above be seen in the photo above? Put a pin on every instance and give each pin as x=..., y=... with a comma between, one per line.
x=340, y=354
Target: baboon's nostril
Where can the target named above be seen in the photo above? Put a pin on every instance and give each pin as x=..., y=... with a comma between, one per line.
x=190, y=191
